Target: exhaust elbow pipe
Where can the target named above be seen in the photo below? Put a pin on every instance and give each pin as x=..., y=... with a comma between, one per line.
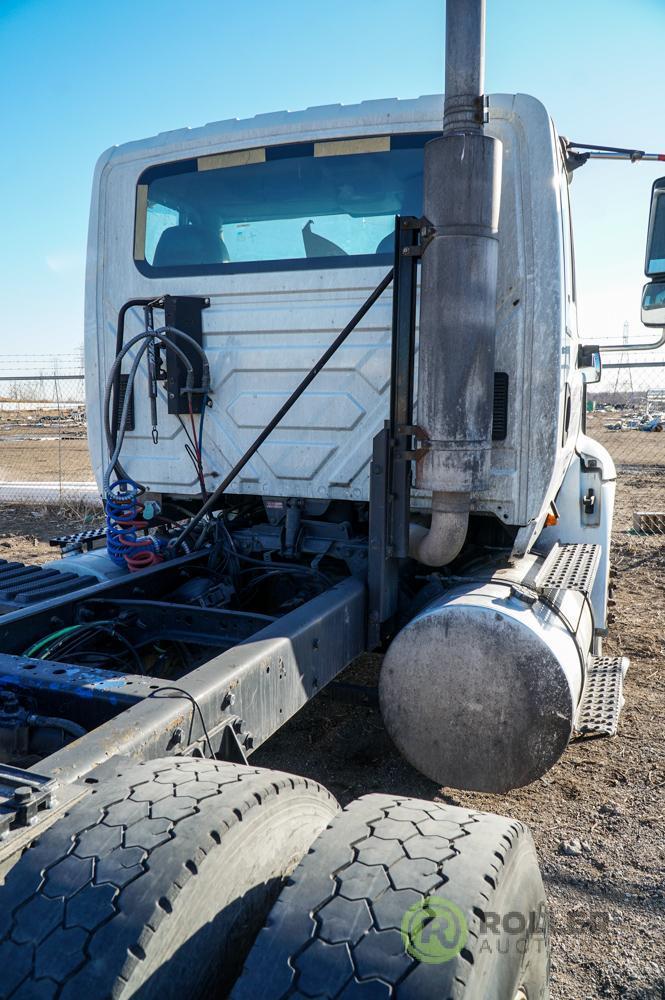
x=462, y=192
x=439, y=544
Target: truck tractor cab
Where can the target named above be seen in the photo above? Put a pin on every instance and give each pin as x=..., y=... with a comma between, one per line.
x=260, y=239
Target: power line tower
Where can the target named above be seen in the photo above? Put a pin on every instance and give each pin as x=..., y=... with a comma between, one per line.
x=624, y=362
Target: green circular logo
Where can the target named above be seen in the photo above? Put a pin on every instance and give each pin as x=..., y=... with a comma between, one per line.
x=434, y=930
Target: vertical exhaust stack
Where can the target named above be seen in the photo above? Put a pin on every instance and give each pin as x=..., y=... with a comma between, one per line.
x=458, y=294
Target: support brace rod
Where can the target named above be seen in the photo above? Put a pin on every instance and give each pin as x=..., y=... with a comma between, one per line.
x=281, y=413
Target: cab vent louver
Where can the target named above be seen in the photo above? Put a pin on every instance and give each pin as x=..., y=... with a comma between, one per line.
x=500, y=415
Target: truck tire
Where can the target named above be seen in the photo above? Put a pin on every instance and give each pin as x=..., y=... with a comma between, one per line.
x=342, y=923
x=155, y=884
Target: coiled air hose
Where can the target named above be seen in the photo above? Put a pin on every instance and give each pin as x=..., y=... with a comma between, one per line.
x=121, y=498
x=123, y=520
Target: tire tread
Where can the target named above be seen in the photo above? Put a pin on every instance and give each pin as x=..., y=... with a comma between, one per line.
x=416, y=848
x=150, y=804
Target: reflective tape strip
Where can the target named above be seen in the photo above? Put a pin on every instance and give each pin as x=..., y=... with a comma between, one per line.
x=140, y=221
x=347, y=147
x=236, y=158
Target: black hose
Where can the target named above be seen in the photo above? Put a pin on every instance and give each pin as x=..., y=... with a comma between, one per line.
x=52, y=722
x=119, y=343
x=112, y=401
x=115, y=444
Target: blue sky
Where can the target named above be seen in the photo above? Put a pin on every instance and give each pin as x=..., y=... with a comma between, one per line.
x=77, y=77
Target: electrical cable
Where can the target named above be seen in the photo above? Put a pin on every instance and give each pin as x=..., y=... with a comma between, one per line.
x=265, y=564
x=192, y=453
x=92, y=657
x=278, y=568
x=109, y=629
x=204, y=404
x=131, y=649
x=55, y=646
x=195, y=708
x=114, y=439
x=199, y=463
x=115, y=442
x=123, y=545
x=189, y=438
x=55, y=635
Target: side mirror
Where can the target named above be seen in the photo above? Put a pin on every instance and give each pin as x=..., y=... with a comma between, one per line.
x=655, y=259
x=653, y=302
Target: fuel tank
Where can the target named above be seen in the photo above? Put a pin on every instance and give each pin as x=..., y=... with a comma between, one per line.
x=479, y=690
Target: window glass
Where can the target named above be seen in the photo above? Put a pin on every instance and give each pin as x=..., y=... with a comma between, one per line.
x=656, y=260
x=297, y=203
x=158, y=218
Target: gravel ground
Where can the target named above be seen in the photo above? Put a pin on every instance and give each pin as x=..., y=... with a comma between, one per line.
x=607, y=898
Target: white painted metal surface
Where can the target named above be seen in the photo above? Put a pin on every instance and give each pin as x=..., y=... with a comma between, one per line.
x=264, y=331
x=591, y=469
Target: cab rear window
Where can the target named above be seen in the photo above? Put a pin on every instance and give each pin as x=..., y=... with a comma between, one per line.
x=322, y=204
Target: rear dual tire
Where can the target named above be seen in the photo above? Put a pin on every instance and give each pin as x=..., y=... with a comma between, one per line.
x=156, y=883
x=358, y=918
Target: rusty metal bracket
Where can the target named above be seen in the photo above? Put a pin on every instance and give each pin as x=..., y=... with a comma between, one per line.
x=412, y=454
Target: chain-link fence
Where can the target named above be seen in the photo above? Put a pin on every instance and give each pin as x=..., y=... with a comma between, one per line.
x=44, y=449
x=626, y=413
x=43, y=443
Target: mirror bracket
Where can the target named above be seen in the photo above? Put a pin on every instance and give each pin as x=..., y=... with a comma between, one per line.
x=588, y=358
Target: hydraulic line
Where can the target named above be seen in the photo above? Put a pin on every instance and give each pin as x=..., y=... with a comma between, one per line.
x=54, y=722
x=72, y=640
x=161, y=334
x=50, y=640
x=114, y=440
x=123, y=510
x=119, y=341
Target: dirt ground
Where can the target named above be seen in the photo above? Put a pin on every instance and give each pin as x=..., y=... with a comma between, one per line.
x=607, y=903
x=628, y=446
x=39, y=445
x=43, y=461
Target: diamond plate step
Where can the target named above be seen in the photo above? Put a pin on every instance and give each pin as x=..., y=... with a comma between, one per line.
x=21, y=585
x=602, y=698
x=572, y=566
x=80, y=540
